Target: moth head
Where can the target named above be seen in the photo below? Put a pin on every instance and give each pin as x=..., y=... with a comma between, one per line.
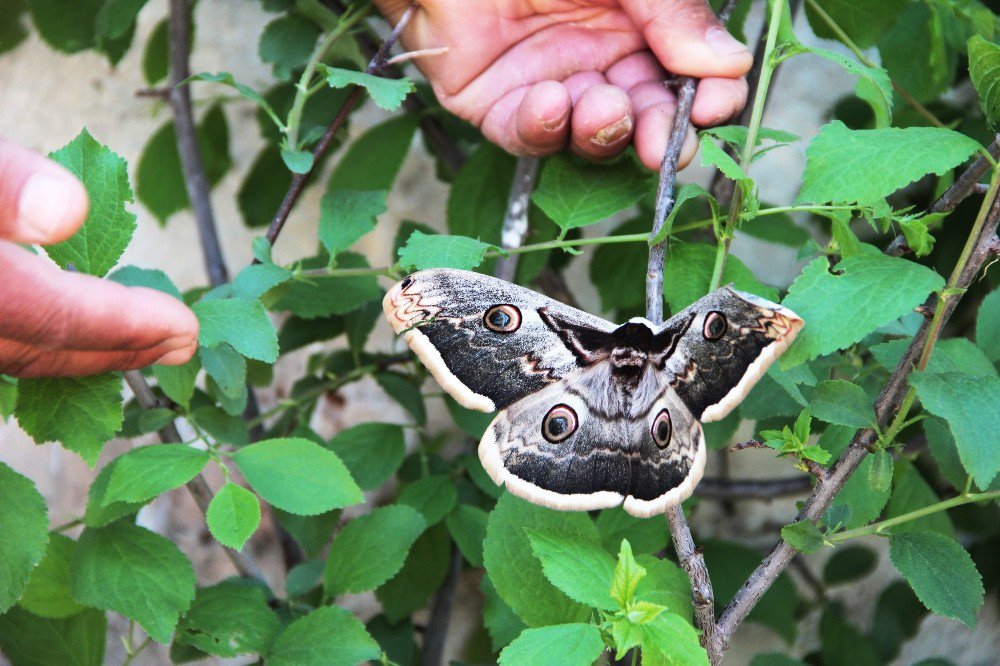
x=405, y=306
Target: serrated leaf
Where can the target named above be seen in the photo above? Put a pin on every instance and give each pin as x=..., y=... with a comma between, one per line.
x=515, y=571
x=984, y=70
x=644, y=535
x=582, y=569
x=941, y=573
x=386, y=93
x=286, y=43
x=863, y=22
x=227, y=368
x=371, y=451
x=712, y=155
x=145, y=472
x=912, y=493
x=242, y=323
x=347, y=215
x=229, y=619
x=669, y=640
x=99, y=514
x=371, y=549
x=869, y=290
x=843, y=403
x=133, y=276
x=686, y=193
x=467, y=525
x=665, y=584
x=579, y=645
x=47, y=593
x=688, y=274
x=80, y=412
x=373, y=160
x=24, y=525
x=877, y=77
x=425, y=570
x=848, y=564
x=433, y=496
x=29, y=640
x=577, y=195
x=970, y=406
x=297, y=475
x=865, y=166
x=803, y=536
x=442, y=251
x=96, y=247
x=327, y=636
x=988, y=326
x=626, y=576
x=233, y=515
x=65, y=27
x=864, y=503
x=321, y=296
x=130, y=570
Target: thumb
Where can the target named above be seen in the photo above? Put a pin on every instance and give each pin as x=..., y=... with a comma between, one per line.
x=688, y=39
x=40, y=201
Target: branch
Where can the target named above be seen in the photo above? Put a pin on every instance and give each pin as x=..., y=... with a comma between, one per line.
x=444, y=602
x=515, y=220
x=195, y=180
x=299, y=180
x=198, y=487
x=981, y=246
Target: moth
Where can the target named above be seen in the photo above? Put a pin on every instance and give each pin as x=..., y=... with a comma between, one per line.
x=591, y=414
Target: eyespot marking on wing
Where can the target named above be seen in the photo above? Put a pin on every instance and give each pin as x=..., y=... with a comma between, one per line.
x=503, y=318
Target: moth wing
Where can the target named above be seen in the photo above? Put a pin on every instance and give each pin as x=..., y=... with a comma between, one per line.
x=441, y=314
x=712, y=373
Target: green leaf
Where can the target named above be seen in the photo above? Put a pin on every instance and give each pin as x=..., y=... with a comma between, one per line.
x=425, y=570
x=155, y=55
x=66, y=27
x=665, y=584
x=263, y=187
x=578, y=645
x=842, y=642
x=912, y=493
x=371, y=451
x=577, y=195
x=869, y=290
x=916, y=52
x=626, y=577
x=688, y=274
x=433, y=496
x=712, y=155
x=669, y=640
x=478, y=197
x=501, y=622
x=440, y=251
x=29, y=640
x=984, y=62
x=467, y=525
x=863, y=22
x=327, y=636
x=347, y=215
x=297, y=475
x=133, y=276
x=80, y=412
x=233, y=515
x=227, y=368
x=130, y=570
x=405, y=391
x=286, y=43
x=386, y=93
x=865, y=166
x=940, y=572
x=257, y=279
x=24, y=526
x=12, y=30
x=780, y=229
x=96, y=247
x=516, y=572
x=969, y=404
x=862, y=502
x=229, y=619
x=373, y=160
x=159, y=175
x=242, y=323
x=803, y=536
x=687, y=192
x=645, y=535
x=47, y=593
x=297, y=161
x=849, y=564
x=844, y=403
x=226, y=79
x=988, y=326
x=97, y=514
x=579, y=567
x=880, y=475
x=326, y=295
x=876, y=77
x=371, y=549
x=147, y=471
x=956, y=355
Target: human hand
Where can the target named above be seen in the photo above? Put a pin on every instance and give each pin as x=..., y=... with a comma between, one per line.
x=55, y=323
x=537, y=75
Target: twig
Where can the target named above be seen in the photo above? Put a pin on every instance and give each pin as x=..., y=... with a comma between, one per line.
x=982, y=245
x=763, y=489
x=198, y=487
x=444, y=601
x=421, y=53
x=964, y=186
x=515, y=221
x=195, y=180
x=299, y=180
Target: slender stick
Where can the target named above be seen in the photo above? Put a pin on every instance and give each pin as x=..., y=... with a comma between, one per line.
x=198, y=487
x=982, y=245
x=515, y=221
x=195, y=180
x=299, y=180
x=444, y=602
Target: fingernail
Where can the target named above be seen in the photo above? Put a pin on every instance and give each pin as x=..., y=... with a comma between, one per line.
x=176, y=357
x=613, y=133
x=724, y=44
x=42, y=206
x=555, y=123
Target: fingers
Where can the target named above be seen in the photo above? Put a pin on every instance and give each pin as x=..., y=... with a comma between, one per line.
x=18, y=359
x=718, y=101
x=602, y=122
x=54, y=311
x=688, y=39
x=40, y=201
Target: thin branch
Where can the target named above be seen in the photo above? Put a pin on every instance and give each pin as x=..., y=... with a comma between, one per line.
x=981, y=247
x=762, y=489
x=515, y=221
x=299, y=180
x=198, y=487
x=444, y=602
x=195, y=180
